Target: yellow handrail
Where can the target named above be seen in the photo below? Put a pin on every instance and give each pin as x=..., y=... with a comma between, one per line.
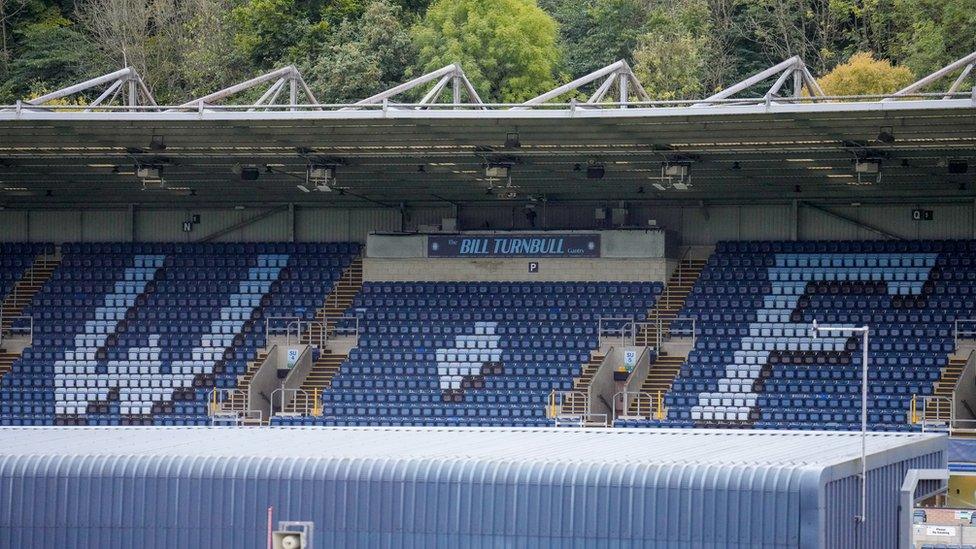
x=316, y=408
x=660, y=413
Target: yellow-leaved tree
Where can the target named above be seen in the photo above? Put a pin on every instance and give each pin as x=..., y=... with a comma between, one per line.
x=862, y=74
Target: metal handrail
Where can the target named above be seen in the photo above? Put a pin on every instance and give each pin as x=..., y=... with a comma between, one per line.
x=345, y=276
x=271, y=320
x=30, y=333
x=942, y=411
x=558, y=399
x=666, y=334
x=582, y=420
x=218, y=409
x=959, y=331
x=654, y=404
x=308, y=325
x=302, y=407
x=626, y=333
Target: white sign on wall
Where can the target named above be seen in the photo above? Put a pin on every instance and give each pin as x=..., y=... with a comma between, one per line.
x=292, y=358
x=963, y=515
x=940, y=531
x=630, y=359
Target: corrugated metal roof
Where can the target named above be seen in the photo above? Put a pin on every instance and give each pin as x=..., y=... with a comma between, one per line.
x=646, y=446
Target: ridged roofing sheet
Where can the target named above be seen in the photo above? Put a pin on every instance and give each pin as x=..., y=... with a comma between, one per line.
x=686, y=446
x=80, y=487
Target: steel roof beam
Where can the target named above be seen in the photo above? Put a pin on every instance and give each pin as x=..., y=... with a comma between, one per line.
x=451, y=74
x=618, y=72
x=965, y=63
x=793, y=67
x=127, y=76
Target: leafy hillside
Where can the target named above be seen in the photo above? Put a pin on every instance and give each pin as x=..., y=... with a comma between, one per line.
x=511, y=49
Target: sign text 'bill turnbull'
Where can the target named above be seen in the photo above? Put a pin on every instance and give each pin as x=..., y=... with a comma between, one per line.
x=514, y=245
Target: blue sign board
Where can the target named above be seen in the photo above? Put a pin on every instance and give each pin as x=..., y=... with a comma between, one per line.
x=515, y=245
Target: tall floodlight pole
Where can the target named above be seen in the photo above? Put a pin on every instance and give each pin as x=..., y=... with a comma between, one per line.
x=863, y=330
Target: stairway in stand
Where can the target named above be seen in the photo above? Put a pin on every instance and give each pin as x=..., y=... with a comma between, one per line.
x=336, y=303
x=19, y=298
x=939, y=409
x=238, y=399
x=575, y=404
x=26, y=288
x=332, y=309
x=669, y=303
x=318, y=380
x=658, y=382
x=7, y=361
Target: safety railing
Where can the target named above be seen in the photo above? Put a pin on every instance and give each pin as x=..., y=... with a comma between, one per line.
x=300, y=402
x=963, y=329
x=935, y=415
x=277, y=325
x=638, y=405
x=333, y=298
x=667, y=297
x=229, y=407
x=666, y=329
x=30, y=276
x=616, y=331
x=298, y=330
x=15, y=329
x=572, y=409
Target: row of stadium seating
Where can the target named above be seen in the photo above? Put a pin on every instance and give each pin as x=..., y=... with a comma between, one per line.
x=122, y=336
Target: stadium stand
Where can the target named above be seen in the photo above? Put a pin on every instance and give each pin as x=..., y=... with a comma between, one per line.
x=479, y=353
x=23, y=270
x=139, y=333
x=754, y=363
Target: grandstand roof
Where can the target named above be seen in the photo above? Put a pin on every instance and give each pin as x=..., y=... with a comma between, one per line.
x=776, y=146
x=658, y=446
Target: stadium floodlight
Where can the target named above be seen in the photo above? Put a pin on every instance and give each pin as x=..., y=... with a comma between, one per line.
x=815, y=330
x=319, y=178
x=498, y=171
x=149, y=172
x=867, y=171
x=676, y=170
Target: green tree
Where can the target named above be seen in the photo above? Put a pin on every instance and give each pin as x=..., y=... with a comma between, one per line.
x=54, y=55
x=269, y=30
x=363, y=56
x=669, y=64
x=507, y=48
x=930, y=34
x=595, y=33
x=862, y=74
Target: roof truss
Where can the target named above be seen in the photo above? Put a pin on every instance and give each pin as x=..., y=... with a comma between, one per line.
x=793, y=69
x=965, y=63
x=618, y=73
x=281, y=79
x=449, y=76
x=124, y=85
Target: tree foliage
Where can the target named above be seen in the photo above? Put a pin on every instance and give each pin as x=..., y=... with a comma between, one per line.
x=508, y=58
x=862, y=74
x=363, y=56
x=510, y=49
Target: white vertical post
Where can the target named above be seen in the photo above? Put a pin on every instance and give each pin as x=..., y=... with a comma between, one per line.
x=863, y=330
x=623, y=79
